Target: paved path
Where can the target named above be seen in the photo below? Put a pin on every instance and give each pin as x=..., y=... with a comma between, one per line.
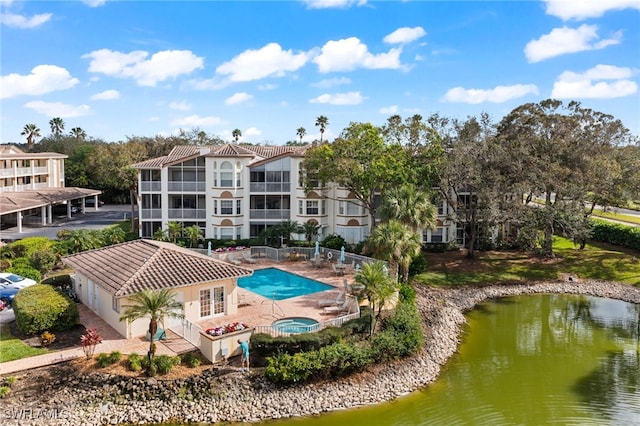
x=111, y=341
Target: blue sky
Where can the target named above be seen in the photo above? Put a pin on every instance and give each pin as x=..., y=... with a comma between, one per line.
x=125, y=68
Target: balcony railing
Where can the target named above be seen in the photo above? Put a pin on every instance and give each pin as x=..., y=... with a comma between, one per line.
x=180, y=186
x=270, y=187
x=40, y=170
x=6, y=172
x=151, y=213
x=187, y=213
x=278, y=214
x=150, y=186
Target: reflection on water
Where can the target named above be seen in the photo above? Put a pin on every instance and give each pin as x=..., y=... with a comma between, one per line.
x=527, y=360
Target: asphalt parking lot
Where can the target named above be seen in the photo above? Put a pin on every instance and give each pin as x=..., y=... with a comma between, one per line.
x=106, y=215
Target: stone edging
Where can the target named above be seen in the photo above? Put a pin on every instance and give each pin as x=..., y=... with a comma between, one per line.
x=214, y=397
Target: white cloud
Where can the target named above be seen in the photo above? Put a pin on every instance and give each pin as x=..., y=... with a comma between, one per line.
x=196, y=121
x=567, y=40
x=267, y=86
x=269, y=61
x=237, y=98
x=94, y=3
x=405, y=35
x=331, y=82
x=582, y=9
x=350, y=54
x=252, y=131
x=160, y=66
x=350, y=98
x=19, y=21
x=180, y=106
x=43, y=79
x=107, y=95
x=329, y=4
x=592, y=84
x=498, y=94
x=393, y=109
x=58, y=109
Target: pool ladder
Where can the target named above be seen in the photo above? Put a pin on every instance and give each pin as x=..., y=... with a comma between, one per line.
x=276, y=310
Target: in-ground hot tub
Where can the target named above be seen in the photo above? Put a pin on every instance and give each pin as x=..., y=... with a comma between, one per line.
x=295, y=325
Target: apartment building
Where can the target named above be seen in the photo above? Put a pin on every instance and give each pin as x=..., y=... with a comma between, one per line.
x=235, y=192
x=32, y=184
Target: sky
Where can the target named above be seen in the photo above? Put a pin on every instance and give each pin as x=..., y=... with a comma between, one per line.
x=119, y=69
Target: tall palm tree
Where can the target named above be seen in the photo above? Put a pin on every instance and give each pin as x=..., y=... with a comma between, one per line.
x=322, y=122
x=310, y=230
x=378, y=288
x=174, y=231
x=78, y=133
x=57, y=126
x=236, y=133
x=301, y=132
x=157, y=305
x=288, y=227
x=31, y=131
x=396, y=243
x=193, y=234
x=411, y=207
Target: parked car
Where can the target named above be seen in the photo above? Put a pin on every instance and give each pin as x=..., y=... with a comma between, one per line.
x=7, y=294
x=10, y=280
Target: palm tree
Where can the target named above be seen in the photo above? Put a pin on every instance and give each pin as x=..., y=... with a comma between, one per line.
x=57, y=126
x=236, y=133
x=31, y=131
x=378, y=288
x=174, y=231
x=310, y=229
x=411, y=207
x=301, y=132
x=288, y=227
x=157, y=305
x=193, y=234
x=83, y=239
x=322, y=122
x=78, y=133
x=396, y=243
x=114, y=235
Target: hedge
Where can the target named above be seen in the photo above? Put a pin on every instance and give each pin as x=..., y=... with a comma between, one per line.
x=616, y=234
x=24, y=270
x=40, y=308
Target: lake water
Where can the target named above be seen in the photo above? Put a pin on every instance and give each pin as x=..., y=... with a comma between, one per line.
x=525, y=360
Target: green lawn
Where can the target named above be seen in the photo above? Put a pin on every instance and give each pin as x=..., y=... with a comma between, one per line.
x=617, y=216
x=12, y=348
x=595, y=262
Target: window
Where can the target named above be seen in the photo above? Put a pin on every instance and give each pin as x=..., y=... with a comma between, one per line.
x=115, y=304
x=218, y=300
x=239, y=233
x=238, y=206
x=226, y=233
x=215, y=206
x=353, y=209
x=300, y=207
x=440, y=204
x=238, y=180
x=205, y=302
x=437, y=235
x=312, y=207
x=341, y=207
x=226, y=207
x=324, y=207
x=226, y=175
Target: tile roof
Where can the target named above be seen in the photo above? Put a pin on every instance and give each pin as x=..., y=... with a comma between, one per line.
x=230, y=150
x=127, y=268
x=13, y=152
x=11, y=202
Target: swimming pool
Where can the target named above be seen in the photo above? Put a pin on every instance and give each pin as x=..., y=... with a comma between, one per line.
x=276, y=284
x=295, y=325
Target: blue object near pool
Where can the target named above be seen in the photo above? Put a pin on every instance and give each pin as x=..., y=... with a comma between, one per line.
x=276, y=284
x=295, y=325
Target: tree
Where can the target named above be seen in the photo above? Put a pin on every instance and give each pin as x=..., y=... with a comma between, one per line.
x=193, y=234
x=82, y=240
x=174, y=231
x=31, y=131
x=157, y=305
x=310, y=229
x=57, y=126
x=236, y=133
x=547, y=151
x=396, y=243
x=301, y=132
x=79, y=134
x=378, y=288
x=288, y=227
x=411, y=207
x=114, y=235
x=322, y=122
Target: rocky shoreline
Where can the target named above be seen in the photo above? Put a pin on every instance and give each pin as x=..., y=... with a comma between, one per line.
x=221, y=395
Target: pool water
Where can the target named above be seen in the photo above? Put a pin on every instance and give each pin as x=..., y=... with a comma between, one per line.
x=276, y=284
x=295, y=325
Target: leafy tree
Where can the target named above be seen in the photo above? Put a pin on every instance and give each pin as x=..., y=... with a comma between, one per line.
x=321, y=122
x=409, y=206
x=57, y=126
x=378, y=288
x=310, y=229
x=547, y=152
x=193, y=234
x=396, y=243
x=31, y=131
x=236, y=133
x=301, y=132
x=157, y=305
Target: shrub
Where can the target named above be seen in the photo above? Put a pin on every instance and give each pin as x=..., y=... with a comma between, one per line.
x=190, y=360
x=4, y=391
x=9, y=381
x=43, y=260
x=63, y=280
x=24, y=268
x=40, y=307
x=103, y=360
x=164, y=363
x=134, y=362
x=616, y=234
x=115, y=357
x=47, y=338
x=418, y=265
x=334, y=242
x=265, y=345
x=89, y=341
x=401, y=335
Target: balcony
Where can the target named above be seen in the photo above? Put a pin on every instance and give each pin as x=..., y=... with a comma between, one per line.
x=278, y=214
x=182, y=186
x=150, y=186
x=6, y=172
x=40, y=170
x=151, y=213
x=270, y=187
x=187, y=213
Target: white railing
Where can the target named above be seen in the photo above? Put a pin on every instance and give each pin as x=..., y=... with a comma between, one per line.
x=150, y=186
x=188, y=330
x=277, y=214
x=151, y=213
x=187, y=213
x=181, y=186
